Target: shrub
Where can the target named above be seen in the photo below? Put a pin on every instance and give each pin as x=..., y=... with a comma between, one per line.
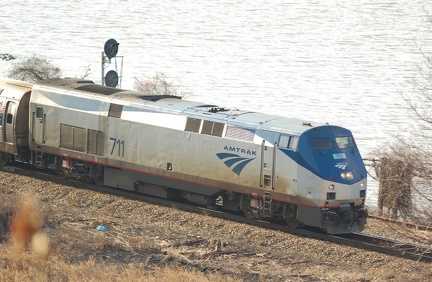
x=34, y=69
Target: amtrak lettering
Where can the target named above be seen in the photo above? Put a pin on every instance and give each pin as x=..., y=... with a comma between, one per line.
x=240, y=150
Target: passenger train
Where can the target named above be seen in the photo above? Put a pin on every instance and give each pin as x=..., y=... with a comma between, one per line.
x=266, y=166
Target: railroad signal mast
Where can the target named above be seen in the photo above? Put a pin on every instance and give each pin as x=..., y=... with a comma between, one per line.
x=111, y=78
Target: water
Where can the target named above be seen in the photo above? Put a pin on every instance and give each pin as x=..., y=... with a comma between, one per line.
x=342, y=62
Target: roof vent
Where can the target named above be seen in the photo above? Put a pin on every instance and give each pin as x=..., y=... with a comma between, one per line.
x=217, y=109
x=307, y=124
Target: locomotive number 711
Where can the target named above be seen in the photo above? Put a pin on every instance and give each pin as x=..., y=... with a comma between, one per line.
x=118, y=145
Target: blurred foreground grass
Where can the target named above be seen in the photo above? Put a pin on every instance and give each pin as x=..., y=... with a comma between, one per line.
x=25, y=254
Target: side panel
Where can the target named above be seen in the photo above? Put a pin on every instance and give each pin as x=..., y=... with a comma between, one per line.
x=53, y=113
x=38, y=124
x=286, y=176
x=148, y=152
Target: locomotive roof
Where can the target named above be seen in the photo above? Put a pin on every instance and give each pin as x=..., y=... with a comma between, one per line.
x=174, y=104
x=14, y=89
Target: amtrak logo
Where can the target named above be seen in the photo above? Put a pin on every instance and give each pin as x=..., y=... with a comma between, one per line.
x=235, y=162
x=342, y=165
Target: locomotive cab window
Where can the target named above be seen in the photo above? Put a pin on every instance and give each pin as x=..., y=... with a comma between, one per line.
x=288, y=141
x=345, y=142
x=39, y=112
x=322, y=144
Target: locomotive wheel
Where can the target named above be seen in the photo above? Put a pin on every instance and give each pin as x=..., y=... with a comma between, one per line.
x=58, y=168
x=4, y=158
x=97, y=175
x=245, y=207
x=288, y=216
x=292, y=224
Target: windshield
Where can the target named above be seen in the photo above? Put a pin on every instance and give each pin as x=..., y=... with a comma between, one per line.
x=345, y=142
x=322, y=144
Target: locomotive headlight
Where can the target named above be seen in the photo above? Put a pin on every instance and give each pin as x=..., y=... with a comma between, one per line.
x=331, y=187
x=347, y=175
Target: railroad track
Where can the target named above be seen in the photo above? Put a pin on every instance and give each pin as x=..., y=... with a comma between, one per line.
x=403, y=223
x=356, y=240
x=387, y=246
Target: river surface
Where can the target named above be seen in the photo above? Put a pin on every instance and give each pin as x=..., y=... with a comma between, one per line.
x=342, y=62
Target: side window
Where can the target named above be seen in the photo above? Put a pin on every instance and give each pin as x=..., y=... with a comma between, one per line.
x=288, y=141
x=9, y=118
x=11, y=107
x=293, y=143
x=39, y=112
x=284, y=141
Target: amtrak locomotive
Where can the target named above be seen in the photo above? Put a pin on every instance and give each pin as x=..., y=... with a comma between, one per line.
x=303, y=172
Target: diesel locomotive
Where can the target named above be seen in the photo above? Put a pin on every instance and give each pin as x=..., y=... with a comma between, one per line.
x=302, y=172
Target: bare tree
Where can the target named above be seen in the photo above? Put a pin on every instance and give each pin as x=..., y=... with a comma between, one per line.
x=404, y=168
x=401, y=170
x=157, y=85
x=34, y=69
x=85, y=71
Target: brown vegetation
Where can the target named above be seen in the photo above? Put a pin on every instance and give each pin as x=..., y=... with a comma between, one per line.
x=157, y=85
x=395, y=184
x=26, y=256
x=34, y=69
x=404, y=182
x=145, y=242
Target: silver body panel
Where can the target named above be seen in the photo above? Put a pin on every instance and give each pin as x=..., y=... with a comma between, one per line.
x=150, y=135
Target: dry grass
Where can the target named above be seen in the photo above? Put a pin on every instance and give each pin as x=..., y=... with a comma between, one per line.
x=30, y=268
x=145, y=242
x=26, y=254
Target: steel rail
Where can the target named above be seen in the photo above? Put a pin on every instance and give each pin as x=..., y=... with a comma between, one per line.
x=417, y=226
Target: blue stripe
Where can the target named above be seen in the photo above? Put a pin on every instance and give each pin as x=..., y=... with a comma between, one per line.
x=232, y=161
x=226, y=155
x=238, y=168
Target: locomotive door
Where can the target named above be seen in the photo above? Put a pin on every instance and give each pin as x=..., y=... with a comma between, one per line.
x=268, y=163
x=38, y=125
x=9, y=122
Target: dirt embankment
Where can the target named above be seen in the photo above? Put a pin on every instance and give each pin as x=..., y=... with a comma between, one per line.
x=146, y=237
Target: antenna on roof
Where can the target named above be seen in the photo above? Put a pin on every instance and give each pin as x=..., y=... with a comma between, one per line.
x=111, y=79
